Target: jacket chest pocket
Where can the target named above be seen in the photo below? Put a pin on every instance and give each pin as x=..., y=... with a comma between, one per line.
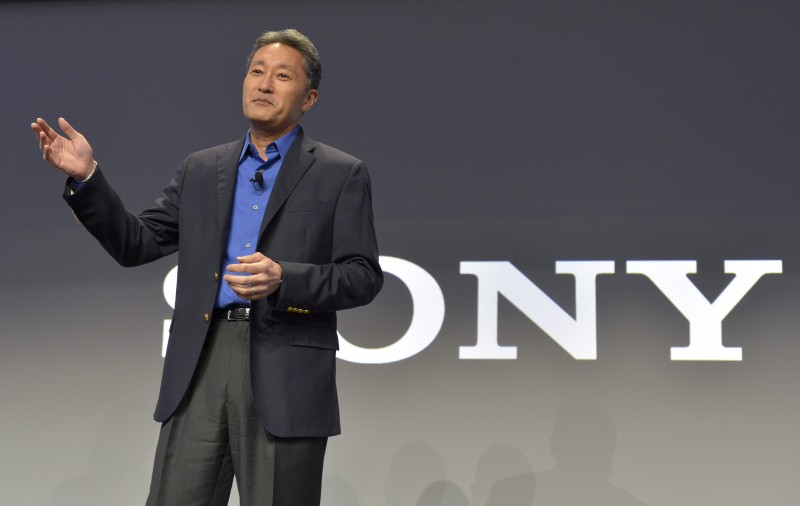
x=299, y=231
x=306, y=207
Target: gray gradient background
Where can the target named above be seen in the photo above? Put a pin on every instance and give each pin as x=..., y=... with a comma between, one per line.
x=522, y=131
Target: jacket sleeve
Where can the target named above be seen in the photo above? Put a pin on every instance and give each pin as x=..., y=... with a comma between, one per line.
x=353, y=277
x=129, y=239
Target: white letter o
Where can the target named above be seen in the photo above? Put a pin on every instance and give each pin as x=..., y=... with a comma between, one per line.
x=426, y=320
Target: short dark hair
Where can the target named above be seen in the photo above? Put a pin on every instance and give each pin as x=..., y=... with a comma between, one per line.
x=312, y=65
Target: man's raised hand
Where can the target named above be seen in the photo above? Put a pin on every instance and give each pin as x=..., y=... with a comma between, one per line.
x=71, y=154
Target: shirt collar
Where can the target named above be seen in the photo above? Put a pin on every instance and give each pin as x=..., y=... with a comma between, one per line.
x=282, y=144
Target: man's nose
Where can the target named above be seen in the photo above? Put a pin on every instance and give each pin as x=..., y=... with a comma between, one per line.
x=265, y=84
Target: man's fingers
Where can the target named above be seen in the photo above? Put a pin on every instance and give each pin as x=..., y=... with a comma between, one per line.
x=251, y=287
x=251, y=259
x=253, y=278
x=251, y=292
x=67, y=128
x=40, y=127
x=245, y=268
x=40, y=136
x=253, y=264
x=233, y=279
x=243, y=286
x=242, y=290
x=45, y=135
x=47, y=129
x=44, y=143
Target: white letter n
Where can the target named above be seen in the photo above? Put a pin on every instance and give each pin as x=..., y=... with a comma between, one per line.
x=578, y=336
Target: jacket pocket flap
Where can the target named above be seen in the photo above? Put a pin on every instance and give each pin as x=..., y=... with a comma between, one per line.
x=308, y=206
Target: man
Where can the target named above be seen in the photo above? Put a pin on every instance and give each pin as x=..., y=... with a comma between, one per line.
x=248, y=387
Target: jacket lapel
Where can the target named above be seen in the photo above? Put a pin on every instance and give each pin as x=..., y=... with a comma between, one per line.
x=227, y=168
x=298, y=159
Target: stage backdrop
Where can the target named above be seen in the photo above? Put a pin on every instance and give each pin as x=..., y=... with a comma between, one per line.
x=587, y=213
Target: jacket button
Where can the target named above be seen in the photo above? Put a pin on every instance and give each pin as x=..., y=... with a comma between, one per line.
x=216, y=276
x=207, y=317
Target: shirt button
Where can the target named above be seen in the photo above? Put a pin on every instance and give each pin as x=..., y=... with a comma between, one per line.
x=255, y=207
x=247, y=245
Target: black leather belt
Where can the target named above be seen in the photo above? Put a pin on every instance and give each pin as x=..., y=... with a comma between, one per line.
x=232, y=313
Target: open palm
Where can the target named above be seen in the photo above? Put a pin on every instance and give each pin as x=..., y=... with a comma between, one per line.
x=71, y=154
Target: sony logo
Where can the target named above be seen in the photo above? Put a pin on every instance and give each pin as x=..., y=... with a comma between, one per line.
x=578, y=335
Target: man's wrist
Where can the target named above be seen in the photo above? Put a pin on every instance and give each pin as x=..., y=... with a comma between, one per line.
x=272, y=299
x=73, y=185
x=91, y=173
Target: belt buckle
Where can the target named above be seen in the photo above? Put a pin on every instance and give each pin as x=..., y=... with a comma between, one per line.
x=239, y=313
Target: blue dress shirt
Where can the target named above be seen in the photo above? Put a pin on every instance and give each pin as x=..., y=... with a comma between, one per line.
x=249, y=203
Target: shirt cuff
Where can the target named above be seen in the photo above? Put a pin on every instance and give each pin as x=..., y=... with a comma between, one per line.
x=75, y=185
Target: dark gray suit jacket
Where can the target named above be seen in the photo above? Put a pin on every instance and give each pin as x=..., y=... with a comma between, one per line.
x=318, y=225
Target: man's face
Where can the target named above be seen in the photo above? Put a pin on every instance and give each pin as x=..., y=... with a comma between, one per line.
x=274, y=94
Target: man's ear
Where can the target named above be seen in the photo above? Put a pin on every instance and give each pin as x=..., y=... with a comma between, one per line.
x=311, y=99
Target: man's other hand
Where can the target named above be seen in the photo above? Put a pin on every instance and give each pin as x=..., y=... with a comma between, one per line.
x=260, y=277
x=71, y=154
